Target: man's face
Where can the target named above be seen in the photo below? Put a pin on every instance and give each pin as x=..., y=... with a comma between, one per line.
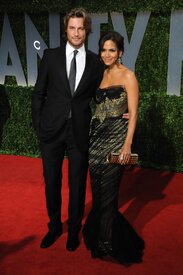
x=76, y=33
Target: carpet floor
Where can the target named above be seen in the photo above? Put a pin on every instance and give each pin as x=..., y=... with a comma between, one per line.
x=152, y=201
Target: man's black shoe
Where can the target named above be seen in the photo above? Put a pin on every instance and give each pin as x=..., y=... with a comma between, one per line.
x=50, y=238
x=72, y=242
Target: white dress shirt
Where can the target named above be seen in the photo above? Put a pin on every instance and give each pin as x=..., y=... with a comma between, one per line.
x=80, y=61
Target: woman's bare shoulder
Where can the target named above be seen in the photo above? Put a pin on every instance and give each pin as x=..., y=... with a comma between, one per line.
x=127, y=73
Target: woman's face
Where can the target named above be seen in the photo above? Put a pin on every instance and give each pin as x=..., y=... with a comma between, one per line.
x=110, y=53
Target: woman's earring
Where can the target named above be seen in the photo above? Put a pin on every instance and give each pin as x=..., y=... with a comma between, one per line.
x=119, y=60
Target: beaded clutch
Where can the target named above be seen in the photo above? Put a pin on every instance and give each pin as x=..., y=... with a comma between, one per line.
x=114, y=158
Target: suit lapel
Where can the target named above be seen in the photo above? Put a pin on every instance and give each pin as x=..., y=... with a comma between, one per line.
x=62, y=68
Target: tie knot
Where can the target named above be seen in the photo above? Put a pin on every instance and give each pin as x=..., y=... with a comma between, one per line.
x=75, y=52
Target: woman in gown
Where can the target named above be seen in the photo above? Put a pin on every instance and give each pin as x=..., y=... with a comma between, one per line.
x=106, y=231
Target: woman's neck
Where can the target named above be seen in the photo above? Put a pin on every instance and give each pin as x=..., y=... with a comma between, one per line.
x=113, y=67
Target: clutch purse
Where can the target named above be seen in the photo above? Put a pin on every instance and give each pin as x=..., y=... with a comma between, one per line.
x=114, y=158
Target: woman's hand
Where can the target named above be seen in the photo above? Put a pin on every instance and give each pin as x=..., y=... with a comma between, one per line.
x=125, y=153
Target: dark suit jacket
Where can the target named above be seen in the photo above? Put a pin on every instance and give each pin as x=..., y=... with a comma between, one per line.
x=52, y=99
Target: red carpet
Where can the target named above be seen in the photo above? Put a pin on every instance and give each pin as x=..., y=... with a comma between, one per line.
x=151, y=200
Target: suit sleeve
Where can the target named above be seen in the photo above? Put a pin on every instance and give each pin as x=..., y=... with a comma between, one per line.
x=100, y=67
x=101, y=72
x=40, y=90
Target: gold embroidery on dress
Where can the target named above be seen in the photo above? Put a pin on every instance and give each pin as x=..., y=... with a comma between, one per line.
x=111, y=107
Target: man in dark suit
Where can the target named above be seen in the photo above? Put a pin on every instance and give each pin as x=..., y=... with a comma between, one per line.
x=66, y=82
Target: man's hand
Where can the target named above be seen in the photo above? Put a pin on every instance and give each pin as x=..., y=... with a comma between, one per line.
x=126, y=115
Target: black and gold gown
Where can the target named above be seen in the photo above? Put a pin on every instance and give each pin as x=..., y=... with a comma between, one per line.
x=106, y=231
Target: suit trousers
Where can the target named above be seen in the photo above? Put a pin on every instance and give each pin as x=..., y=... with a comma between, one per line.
x=52, y=158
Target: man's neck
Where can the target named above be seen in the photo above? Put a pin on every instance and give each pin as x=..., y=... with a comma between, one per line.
x=75, y=47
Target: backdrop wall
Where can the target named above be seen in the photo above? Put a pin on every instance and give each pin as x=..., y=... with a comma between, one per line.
x=158, y=138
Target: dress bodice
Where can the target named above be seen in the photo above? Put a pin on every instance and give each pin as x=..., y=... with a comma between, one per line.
x=110, y=102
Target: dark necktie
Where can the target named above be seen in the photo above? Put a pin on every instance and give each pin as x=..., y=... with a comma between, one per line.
x=72, y=73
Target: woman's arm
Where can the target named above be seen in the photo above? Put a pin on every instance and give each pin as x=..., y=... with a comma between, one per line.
x=131, y=86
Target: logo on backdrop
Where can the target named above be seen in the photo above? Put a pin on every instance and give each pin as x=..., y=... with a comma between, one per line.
x=37, y=45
